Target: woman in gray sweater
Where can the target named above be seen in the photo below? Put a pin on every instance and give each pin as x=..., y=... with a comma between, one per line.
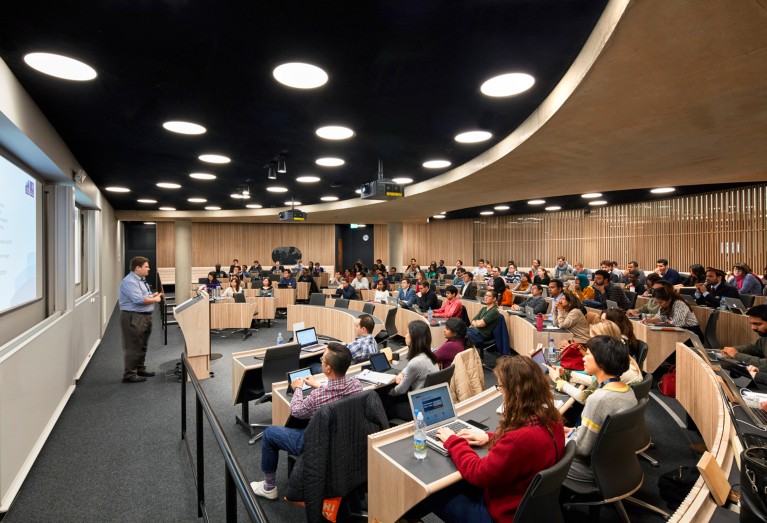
x=421, y=363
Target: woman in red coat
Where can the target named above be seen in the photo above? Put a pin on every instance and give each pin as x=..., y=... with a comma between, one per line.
x=530, y=438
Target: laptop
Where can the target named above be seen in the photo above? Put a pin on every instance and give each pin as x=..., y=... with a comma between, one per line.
x=300, y=373
x=611, y=304
x=307, y=339
x=530, y=313
x=392, y=301
x=749, y=404
x=283, y=286
x=735, y=305
x=688, y=298
x=438, y=411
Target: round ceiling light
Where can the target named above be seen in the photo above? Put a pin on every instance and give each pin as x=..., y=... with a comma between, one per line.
x=212, y=208
x=473, y=137
x=308, y=179
x=487, y=213
x=167, y=208
x=197, y=200
x=501, y=207
x=553, y=208
x=214, y=158
x=507, y=84
x=329, y=162
x=334, y=132
x=402, y=180
x=329, y=198
x=202, y=176
x=239, y=196
x=662, y=190
x=60, y=66
x=275, y=188
x=146, y=200
x=293, y=203
x=117, y=189
x=439, y=216
x=184, y=127
x=536, y=202
x=254, y=206
x=168, y=185
x=598, y=202
x=436, y=164
x=591, y=195
x=358, y=191
x=300, y=75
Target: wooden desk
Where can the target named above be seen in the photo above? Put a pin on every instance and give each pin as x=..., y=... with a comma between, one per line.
x=405, y=316
x=194, y=320
x=329, y=321
x=226, y=314
x=284, y=297
x=526, y=337
x=302, y=290
x=397, y=481
x=660, y=344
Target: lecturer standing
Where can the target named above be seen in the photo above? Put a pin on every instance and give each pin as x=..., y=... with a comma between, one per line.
x=136, y=305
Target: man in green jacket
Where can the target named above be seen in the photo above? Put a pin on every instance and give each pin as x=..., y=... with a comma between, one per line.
x=754, y=353
x=484, y=322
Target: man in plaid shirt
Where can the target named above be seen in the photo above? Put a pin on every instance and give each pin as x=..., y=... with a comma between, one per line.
x=364, y=345
x=335, y=362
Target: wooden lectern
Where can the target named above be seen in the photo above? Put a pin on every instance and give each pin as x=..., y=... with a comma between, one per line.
x=193, y=317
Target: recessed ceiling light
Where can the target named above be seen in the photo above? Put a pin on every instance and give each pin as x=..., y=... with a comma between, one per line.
x=598, y=202
x=334, y=132
x=300, y=75
x=212, y=208
x=591, y=195
x=197, y=200
x=443, y=212
x=486, y=213
x=277, y=189
x=214, y=158
x=117, y=189
x=329, y=198
x=439, y=216
x=293, y=203
x=507, y=84
x=184, y=127
x=330, y=162
x=473, y=137
x=146, y=200
x=553, y=208
x=662, y=190
x=167, y=208
x=402, y=181
x=149, y=223
x=436, y=164
x=254, y=206
x=202, y=176
x=501, y=207
x=240, y=196
x=168, y=185
x=308, y=179
x=358, y=191
x=60, y=66
x=536, y=202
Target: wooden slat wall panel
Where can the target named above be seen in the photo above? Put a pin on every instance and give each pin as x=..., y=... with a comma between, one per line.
x=716, y=229
x=446, y=240
x=166, y=244
x=381, y=242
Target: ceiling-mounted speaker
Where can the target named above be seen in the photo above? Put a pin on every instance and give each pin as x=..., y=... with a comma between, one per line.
x=79, y=176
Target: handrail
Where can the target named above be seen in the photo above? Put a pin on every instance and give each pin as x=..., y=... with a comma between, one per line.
x=235, y=477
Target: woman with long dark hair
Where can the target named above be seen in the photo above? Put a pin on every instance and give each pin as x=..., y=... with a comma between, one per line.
x=456, y=342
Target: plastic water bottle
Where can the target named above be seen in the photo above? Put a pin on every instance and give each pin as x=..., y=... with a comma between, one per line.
x=279, y=338
x=430, y=314
x=722, y=304
x=552, y=355
x=419, y=438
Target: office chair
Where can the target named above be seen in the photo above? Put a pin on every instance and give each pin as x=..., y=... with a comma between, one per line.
x=747, y=300
x=642, y=350
x=317, y=298
x=632, y=296
x=541, y=500
x=369, y=308
x=278, y=361
x=712, y=342
x=465, y=316
x=441, y=376
x=499, y=341
x=643, y=436
x=341, y=303
x=382, y=339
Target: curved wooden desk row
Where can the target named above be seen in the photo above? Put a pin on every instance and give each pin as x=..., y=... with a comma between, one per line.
x=329, y=321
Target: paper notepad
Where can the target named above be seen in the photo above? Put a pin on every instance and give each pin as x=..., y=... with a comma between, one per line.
x=376, y=377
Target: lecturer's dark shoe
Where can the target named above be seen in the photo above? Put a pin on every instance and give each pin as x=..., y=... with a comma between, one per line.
x=134, y=379
x=145, y=373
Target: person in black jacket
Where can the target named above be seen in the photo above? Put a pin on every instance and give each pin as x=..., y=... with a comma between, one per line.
x=469, y=289
x=306, y=276
x=499, y=284
x=427, y=298
x=715, y=288
x=346, y=291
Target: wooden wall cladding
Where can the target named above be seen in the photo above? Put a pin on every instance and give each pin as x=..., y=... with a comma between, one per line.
x=381, y=242
x=222, y=242
x=447, y=240
x=716, y=229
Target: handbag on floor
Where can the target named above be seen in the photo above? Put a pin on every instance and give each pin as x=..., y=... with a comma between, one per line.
x=667, y=383
x=753, y=485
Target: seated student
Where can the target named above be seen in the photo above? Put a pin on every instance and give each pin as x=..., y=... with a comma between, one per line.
x=406, y=296
x=364, y=345
x=287, y=279
x=452, y=306
x=255, y=269
x=306, y=277
x=455, y=342
x=458, y=277
x=427, y=299
x=632, y=283
x=217, y=272
x=276, y=267
x=483, y=323
x=379, y=266
x=212, y=282
x=495, y=281
x=536, y=300
x=418, y=280
x=606, y=359
x=650, y=308
x=431, y=272
x=421, y=363
x=626, y=326
x=697, y=275
x=336, y=279
x=667, y=273
x=393, y=276
x=346, y=291
x=524, y=282
x=754, y=353
x=507, y=298
x=578, y=268
x=235, y=263
x=604, y=290
x=562, y=269
x=715, y=288
x=511, y=273
x=529, y=439
x=441, y=269
x=360, y=282
x=382, y=292
x=335, y=362
x=581, y=288
x=412, y=269
x=469, y=289
x=481, y=270
x=534, y=266
x=674, y=310
x=459, y=265
x=568, y=315
x=744, y=280
x=542, y=276
x=266, y=290
x=234, y=287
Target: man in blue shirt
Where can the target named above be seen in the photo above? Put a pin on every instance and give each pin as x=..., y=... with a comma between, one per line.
x=364, y=345
x=667, y=273
x=406, y=295
x=287, y=279
x=136, y=305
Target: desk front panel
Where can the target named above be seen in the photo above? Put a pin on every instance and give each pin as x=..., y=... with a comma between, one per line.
x=285, y=297
x=329, y=321
x=660, y=344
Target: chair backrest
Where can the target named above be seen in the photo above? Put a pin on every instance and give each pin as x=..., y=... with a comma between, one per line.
x=541, y=501
x=632, y=296
x=642, y=349
x=441, y=376
x=239, y=297
x=390, y=324
x=342, y=303
x=613, y=459
x=317, y=298
x=368, y=308
x=256, y=284
x=278, y=362
x=465, y=316
x=747, y=300
x=642, y=389
x=711, y=338
x=381, y=337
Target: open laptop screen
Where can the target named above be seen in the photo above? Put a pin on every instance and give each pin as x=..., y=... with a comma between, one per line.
x=306, y=337
x=434, y=402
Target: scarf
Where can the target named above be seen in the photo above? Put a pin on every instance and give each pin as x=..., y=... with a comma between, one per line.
x=583, y=281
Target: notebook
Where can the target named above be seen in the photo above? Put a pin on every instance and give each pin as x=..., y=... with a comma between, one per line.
x=307, y=338
x=379, y=378
x=438, y=411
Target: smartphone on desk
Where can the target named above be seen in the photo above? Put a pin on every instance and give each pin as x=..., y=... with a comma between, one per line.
x=480, y=426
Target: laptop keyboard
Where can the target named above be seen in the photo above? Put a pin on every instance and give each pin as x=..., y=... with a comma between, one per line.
x=454, y=426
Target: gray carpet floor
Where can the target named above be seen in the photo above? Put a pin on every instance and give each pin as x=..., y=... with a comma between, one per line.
x=116, y=454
